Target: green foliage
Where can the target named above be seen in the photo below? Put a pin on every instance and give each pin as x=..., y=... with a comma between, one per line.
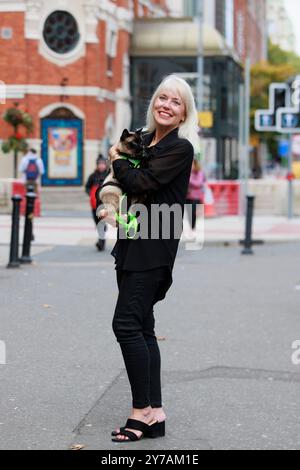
x=14, y=144
x=13, y=116
x=27, y=122
x=17, y=118
x=277, y=56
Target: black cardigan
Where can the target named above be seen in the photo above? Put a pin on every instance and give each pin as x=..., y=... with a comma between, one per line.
x=165, y=180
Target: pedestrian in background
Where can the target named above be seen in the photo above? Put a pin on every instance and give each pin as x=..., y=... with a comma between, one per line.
x=94, y=182
x=195, y=195
x=144, y=265
x=32, y=168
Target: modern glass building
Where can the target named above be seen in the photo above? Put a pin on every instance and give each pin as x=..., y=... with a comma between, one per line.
x=164, y=46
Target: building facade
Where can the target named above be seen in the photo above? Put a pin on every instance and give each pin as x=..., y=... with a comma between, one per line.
x=67, y=64
x=232, y=31
x=251, y=30
x=280, y=26
x=242, y=23
x=85, y=70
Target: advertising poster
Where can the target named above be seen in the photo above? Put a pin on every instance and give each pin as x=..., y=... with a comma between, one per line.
x=62, y=153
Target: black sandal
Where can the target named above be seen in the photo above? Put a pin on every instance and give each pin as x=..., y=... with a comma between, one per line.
x=132, y=437
x=155, y=430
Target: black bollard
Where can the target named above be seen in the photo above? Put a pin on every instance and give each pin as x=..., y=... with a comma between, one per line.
x=14, y=240
x=249, y=219
x=30, y=200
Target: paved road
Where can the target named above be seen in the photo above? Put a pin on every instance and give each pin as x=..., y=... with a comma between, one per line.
x=228, y=379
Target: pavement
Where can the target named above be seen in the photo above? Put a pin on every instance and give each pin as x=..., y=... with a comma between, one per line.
x=73, y=229
x=226, y=327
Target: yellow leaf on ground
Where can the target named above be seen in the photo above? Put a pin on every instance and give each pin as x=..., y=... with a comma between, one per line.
x=77, y=447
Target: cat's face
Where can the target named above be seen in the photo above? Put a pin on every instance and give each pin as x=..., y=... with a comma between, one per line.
x=131, y=142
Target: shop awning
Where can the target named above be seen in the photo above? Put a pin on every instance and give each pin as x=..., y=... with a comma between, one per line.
x=163, y=37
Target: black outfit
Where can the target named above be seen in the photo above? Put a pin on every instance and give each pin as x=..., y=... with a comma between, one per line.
x=144, y=266
x=96, y=179
x=192, y=212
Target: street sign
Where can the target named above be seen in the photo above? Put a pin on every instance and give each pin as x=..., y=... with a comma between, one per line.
x=283, y=118
x=206, y=119
x=279, y=97
x=288, y=120
x=284, y=148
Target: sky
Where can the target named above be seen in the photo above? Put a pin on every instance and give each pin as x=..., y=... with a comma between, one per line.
x=293, y=9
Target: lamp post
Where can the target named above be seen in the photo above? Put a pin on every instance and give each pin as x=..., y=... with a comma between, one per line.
x=290, y=179
x=200, y=59
x=247, y=121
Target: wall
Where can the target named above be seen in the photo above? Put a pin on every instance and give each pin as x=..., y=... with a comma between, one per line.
x=272, y=197
x=250, y=29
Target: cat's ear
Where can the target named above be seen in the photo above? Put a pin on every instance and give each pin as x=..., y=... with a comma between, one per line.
x=139, y=131
x=125, y=135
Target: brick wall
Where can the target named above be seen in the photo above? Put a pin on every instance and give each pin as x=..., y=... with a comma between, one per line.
x=249, y=29
x=13, y=51
x=22, y=64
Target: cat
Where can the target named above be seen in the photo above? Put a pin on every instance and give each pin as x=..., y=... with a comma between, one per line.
x=132, y=148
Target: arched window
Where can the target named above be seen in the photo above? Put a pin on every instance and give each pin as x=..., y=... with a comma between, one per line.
x=62, y=113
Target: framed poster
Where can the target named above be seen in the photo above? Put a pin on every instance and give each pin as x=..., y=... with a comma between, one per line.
x=62, y=152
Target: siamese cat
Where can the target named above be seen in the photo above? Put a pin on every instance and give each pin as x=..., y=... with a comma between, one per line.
x=130, y=147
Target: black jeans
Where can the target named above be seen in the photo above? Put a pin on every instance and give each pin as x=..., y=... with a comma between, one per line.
x=133, y=325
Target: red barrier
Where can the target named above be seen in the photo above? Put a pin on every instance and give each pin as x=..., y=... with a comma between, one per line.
x=226, y=197
x=18, y=187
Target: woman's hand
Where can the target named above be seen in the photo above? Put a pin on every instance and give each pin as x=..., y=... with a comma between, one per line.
x=114, y=153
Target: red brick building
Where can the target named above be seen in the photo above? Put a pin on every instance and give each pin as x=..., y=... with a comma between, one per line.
x=67, y=63
x=250, y=29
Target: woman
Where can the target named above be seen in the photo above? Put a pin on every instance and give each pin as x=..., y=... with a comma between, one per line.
x=144, y=266
x=195, y=195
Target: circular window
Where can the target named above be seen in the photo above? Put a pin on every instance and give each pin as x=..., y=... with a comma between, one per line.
x=61, y=32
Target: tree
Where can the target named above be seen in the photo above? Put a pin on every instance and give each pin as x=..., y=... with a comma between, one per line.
x=19, y=120
x=277, y=56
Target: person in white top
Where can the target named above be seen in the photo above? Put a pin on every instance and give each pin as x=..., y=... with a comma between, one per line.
x=32, y=168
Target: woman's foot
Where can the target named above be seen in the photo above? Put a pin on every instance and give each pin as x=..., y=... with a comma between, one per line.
x=145, y=416
x=158, y=415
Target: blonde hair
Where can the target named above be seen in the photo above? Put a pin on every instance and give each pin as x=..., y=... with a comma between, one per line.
x=189, y=128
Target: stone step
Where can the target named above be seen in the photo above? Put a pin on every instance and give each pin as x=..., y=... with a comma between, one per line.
x=64, y=199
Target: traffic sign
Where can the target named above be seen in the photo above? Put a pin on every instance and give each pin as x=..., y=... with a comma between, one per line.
x=288, y=120
x=279, y=97
x=284, y=148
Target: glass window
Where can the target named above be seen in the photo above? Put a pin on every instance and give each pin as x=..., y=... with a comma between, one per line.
x=61, y=32
x=190, y=7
